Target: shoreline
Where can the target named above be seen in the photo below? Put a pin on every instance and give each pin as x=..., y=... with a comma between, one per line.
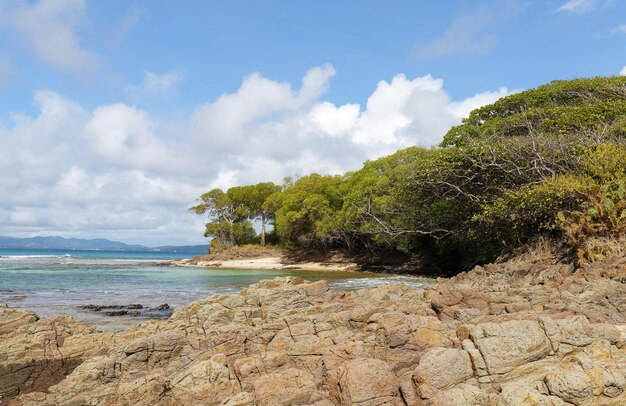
x=513, y=326
x=284, y=259
x=266, y=263
x=177, y=287
x=268, y=258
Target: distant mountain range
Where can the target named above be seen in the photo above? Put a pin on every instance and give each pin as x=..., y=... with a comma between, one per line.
x=97, y=244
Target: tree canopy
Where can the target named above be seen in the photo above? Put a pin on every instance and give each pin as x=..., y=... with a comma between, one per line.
x=231, y=213
x=550, y=160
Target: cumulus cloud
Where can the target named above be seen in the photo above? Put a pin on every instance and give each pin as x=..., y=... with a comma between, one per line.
x=49, y=22
x=463, y=108
x=124, y=136
x=118, y=172
x=578, y=6
x=623, y=71
x=333, y=121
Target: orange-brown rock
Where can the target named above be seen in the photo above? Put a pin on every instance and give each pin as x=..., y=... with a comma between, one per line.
x=517, y=333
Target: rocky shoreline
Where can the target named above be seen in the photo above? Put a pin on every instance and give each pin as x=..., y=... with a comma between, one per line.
x=525, y=332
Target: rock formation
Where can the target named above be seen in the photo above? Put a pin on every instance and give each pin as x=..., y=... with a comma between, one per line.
x=518, y=333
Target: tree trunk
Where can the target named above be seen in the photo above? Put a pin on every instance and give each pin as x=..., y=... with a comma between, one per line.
x=263, y=221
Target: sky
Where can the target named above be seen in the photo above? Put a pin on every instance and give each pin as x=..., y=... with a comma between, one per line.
x=116, y=115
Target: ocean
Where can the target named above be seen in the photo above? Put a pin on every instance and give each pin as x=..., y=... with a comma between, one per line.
x=57, y=282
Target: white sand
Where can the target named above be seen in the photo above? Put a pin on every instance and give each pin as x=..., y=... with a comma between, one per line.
x=269, y=263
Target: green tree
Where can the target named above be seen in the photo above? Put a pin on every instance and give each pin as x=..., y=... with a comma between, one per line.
x=306, y=210
x=226, y=223
x=249, y=202
x=217, y=205
x=549, y=160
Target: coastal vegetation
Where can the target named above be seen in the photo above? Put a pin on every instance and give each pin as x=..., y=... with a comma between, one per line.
x=232, y=213
x=550, y=161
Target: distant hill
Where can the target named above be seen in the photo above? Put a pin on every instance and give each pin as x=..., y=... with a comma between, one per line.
x=97, y=244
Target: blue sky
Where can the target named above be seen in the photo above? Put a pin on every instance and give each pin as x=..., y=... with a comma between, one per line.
x=215, y=44
x=123, y=112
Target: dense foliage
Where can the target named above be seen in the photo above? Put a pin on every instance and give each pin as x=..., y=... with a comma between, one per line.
x=231, y=213
x=551, y=160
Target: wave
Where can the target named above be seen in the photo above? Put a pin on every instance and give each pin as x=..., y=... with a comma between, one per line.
x=114, y=261
x=364, y=283
x=70, y=260
x=14, y=257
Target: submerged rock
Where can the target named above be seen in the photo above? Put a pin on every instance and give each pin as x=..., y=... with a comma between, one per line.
x=164, y=306
x=97, y=308
x=131, y=310
x=509, y=334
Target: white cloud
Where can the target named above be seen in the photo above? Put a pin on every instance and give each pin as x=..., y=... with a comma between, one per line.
x=474, y=32
x=124, y=26
x=166, y=82
x=463, y=108
x=315, y=83
x=118, y=172
x=236, y=118
x=49, y=27
x=156, y=84
x=578, y=6
x=402, y=113
x=124, y=136
x=620, y=29
x=623, y=71
x=334, y=121
x=471, y=34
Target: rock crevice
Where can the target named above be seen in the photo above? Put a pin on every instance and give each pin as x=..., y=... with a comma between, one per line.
x=511, y=334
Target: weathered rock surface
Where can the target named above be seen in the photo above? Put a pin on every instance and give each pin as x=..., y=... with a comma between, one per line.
x=518, y=333
x=36, y=353
x=162, y=311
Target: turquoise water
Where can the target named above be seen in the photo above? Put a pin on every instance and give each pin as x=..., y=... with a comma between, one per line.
x=54, y=283
x=151, y=255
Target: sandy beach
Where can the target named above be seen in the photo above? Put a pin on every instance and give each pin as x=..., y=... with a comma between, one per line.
x=267, y=263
